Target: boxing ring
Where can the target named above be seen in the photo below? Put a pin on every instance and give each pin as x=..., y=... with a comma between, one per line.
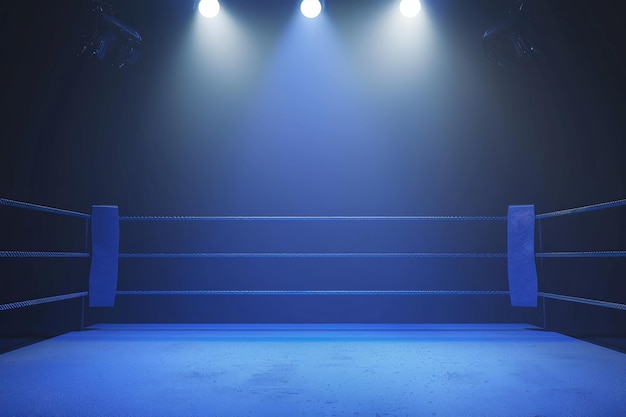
x=313, y=369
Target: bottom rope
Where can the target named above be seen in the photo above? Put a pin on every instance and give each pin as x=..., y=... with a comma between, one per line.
x=597, y=303
x=309, y=292
x=28, y=303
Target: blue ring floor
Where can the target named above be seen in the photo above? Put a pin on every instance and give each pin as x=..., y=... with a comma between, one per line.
x=313, y=370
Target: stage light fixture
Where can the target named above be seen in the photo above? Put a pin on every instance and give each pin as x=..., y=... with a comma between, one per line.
x=111, y=40
x=410, y=8
x=311, y=8
x=513, y=37
x=209, y=8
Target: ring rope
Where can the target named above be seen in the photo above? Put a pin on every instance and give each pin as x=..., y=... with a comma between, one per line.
x=596, y=254
x=41, y=254
x=31, y=254
x=598, y=303
x=37, y=207
x=310, y=292
x=584, y=209
x=28, y=303
x=311, y=218
x=313, y=255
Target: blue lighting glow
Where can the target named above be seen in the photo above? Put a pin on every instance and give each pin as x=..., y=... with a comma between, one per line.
x=298, y=136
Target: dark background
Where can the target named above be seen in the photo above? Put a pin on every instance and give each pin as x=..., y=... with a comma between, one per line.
x=420, y=127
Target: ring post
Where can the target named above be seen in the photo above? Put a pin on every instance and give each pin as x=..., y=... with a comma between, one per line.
x=522, y=270
x=105, y=242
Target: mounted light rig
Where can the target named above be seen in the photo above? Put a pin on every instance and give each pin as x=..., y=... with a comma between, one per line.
x=111, y=40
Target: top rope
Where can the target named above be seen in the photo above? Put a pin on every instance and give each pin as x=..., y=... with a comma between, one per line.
x=584, y=209
x=311, y=218
x=37, y=207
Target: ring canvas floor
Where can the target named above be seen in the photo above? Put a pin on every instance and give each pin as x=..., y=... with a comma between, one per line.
x=313, y=370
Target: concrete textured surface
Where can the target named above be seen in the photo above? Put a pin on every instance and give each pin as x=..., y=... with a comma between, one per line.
x=313, y=370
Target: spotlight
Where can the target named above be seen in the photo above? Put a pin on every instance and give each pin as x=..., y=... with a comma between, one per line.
x=311, y=8
x=209, y=8
x=410, y=8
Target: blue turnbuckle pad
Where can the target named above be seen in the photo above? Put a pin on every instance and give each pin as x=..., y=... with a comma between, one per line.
x=105, y=242
x=522, y=269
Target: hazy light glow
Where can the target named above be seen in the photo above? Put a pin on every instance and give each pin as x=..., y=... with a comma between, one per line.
x=397, y=56
x=410, y=8
x=311, y=8
x=218, y=55
x=209, y=8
